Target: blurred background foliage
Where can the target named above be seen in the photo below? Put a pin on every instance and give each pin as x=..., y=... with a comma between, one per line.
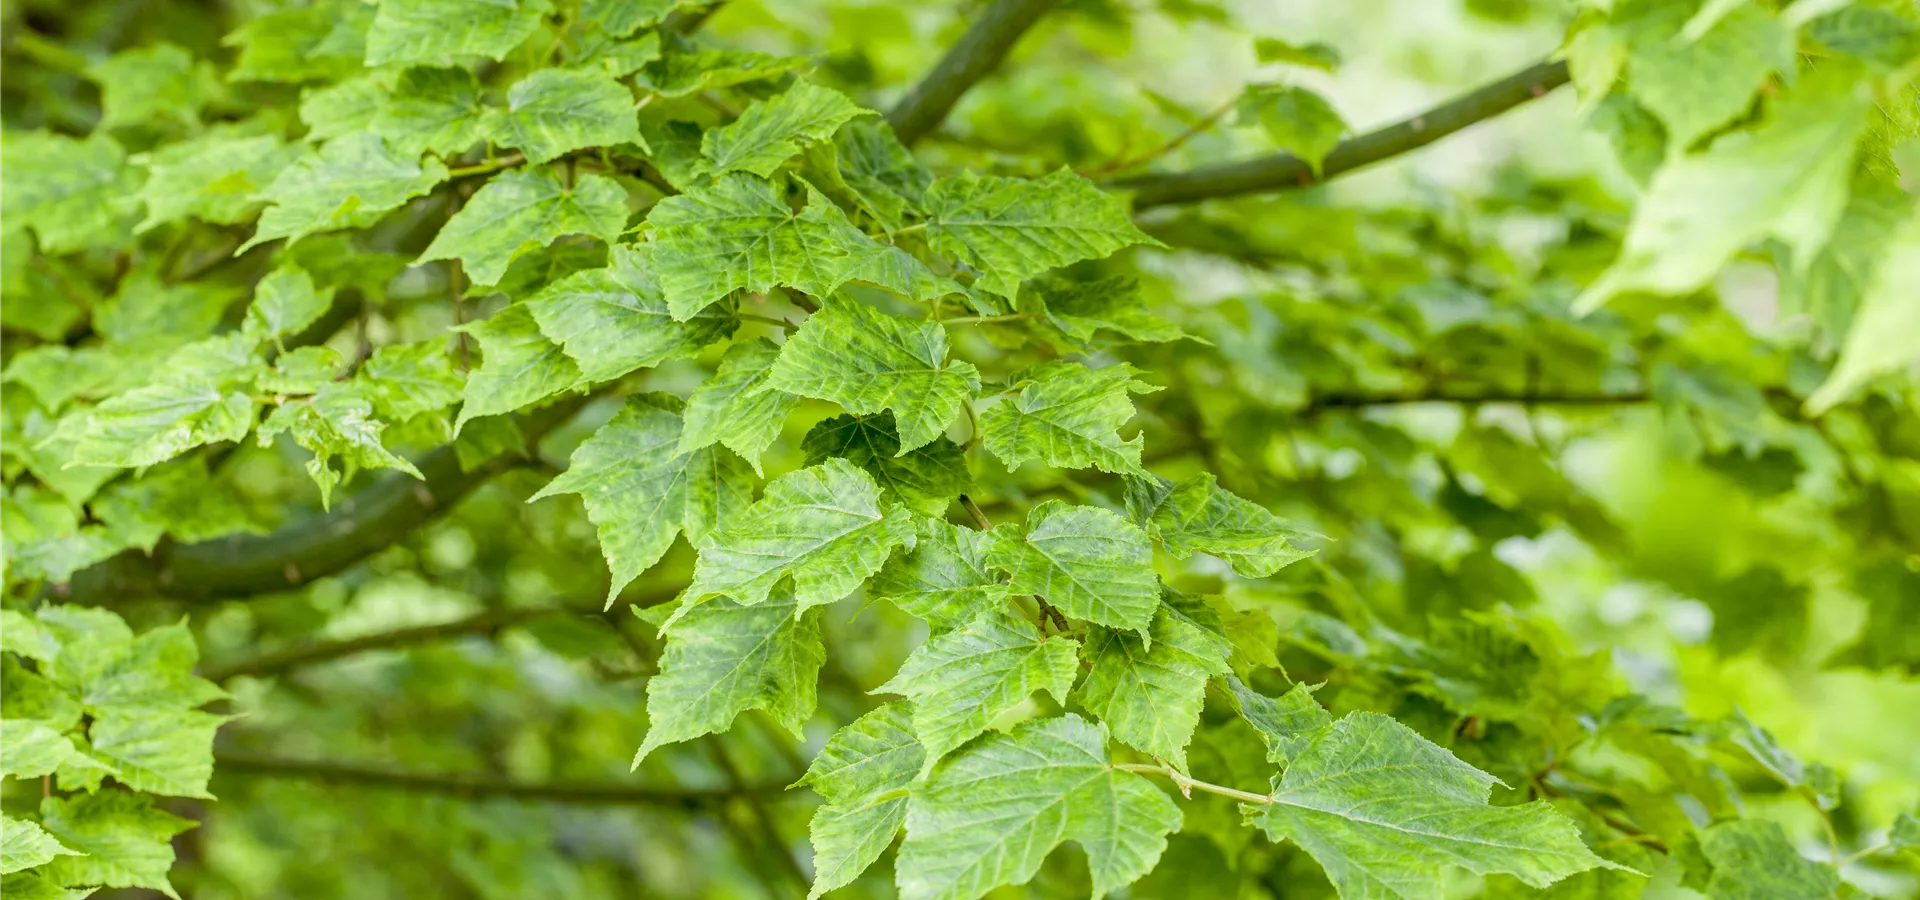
x=1524, y=515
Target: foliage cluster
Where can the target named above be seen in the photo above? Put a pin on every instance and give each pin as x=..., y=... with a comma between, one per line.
x=487, y=386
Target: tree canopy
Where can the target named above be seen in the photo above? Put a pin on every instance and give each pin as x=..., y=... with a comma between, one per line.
x=1018, y=448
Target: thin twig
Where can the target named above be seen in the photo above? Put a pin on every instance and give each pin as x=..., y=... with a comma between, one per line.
x=483, y=168
x=1284, y=171
x=464, y=785
x=326, y=651
x=1200, y=126
x=1188, y=785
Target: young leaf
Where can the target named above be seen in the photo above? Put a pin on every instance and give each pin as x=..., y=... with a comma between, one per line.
x=432, y=109
x=519, y=366
x=1381, y=808
x=733, y=408
x=739, y=233
x=960, y=681
x=1149, y=697
x=168, y=752
x=435, y=32
x=640, y=491
x=1287, y=725
x=1695, y=84
x=1881, y=337
x=1297, y=120
x=407, y=380
x=867, y=361
x=1198, y=514
x=723, y=659
x=927, y=478
x=823, y=525
x=1313, y=56
x=350, y=182
x=156, y=81
x=526, y=210
x=153, y=424
x=1754, y=858
x=120, y=839
x=944, y=579
x=862, y=773
x=614, y=320
x=1080, y=309
x=1010, y=229
x=335, y=421
x=1085, y=560
x=769, y=131
x=555, y=111
x=990, y=816
x=214, y=178
x=1788, y=180
x=285, y=303
x=72, y=193
x=24, y=845
x=1066, y=415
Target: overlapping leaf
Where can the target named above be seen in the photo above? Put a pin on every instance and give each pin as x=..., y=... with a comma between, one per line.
x=723, y=659
x=961, y=680
x=1149, y=696
x=1085, y=560
x=868, y=361
x=863, y=773
x=614, y=320
x=1066, y=415
x=1199, y=514
x=1011, y=229
x=944, y=579
x=769, y=132
x=525, y=210
x=741, y=234
x=349, y=182
x=554, y=111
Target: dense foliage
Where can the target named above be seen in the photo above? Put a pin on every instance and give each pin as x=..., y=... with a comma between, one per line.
x=1044, y=487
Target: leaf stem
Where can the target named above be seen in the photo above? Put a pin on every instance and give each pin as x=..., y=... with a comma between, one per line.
x=493, y=165
x=987, y=320
x=1188, y=785
x=770, y=320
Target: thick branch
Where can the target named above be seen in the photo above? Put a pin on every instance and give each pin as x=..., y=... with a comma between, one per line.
x=1285, y=171
x=477, y=786
x=978, y=52
x=247, y=564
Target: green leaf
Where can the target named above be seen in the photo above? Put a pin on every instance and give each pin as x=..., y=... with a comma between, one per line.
x=1880, y=340
x=168, y=752
x=38, y=886
x=1198, y=514
x=927, y=478
x=1081, y=309
x=770, y=131
x=640, y=491
x=110, y=670
x=1694, y=86
x=19, y=633
x=436, y=32
x=944, y=579
x=74, y=194
x=962, y=680
x=862, y=773
x=1011, y=229
x=867, y=361
x=614, y=320
x=122, y=840
x=525, y=210
x=823, y=525
x=723, y=659
x=1287, y=725
x=24, y=845
x=880, y=171
x=214, y=178
x=732, y=407
x=1087, y=561
x=1295, y=119
x=432, y=109
x=1753, y=860
x=1905, y=832
x=158, y=81
x=284, y=303
x=1149, y=697
x=990, y=816
x=1381, y=808
x=555, y=111
x=350, y=182
x=1066, y=415
x=681, y=70
x=1788, y=180
x=181, y=498
x=518, y=367
x=614, y=56
x=407, y=380
x=344, y=108
x=740, y=234
x=336, y=421
x=325, y=41
x=624, y=17
x=153, y=424
x=1313, y=56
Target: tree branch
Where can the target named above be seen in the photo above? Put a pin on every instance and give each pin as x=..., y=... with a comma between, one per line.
x=1284, y=171
x=324, y=651
x=1357, y=400
x=246, y=564
x=480, y=786
x=977, y=52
